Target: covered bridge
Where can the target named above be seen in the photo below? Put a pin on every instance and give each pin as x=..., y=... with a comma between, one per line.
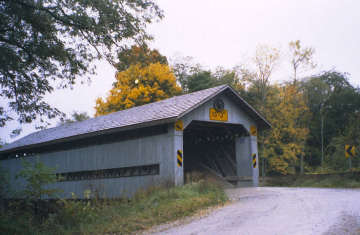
x=122, y=152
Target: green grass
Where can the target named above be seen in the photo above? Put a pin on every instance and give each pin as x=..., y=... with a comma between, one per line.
x=339, y=180
x=149, y=208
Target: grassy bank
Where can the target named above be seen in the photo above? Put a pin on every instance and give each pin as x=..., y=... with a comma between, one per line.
x=152, y=207
x=338, y=180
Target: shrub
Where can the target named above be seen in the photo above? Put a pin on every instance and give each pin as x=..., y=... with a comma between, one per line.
x=4, y=185
x=37, y=177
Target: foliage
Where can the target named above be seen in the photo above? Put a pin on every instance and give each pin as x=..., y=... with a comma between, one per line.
x=138, y=55
x=46, y=41
x=193, y=77
x=265, y=61
x=199, y=81
x=147, y=208
x=37, y=176
x=5, y=183
x=301, y=58
x=76, y=117
x=331, y=99
x=183, y=68
x=2, y=143
x=137, y=86
x=286, y=140
x=351, y=136
x=74, y=212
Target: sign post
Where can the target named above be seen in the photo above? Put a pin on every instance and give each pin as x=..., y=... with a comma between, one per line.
x=349, y=153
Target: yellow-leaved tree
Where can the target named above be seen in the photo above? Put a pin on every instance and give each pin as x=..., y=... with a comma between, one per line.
x=139, y=85
x=285, y=143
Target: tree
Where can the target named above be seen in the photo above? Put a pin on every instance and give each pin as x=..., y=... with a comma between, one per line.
x=332, y=101
x=317, y=93
x=37, y=176
x=351, y=136
x=203, y=79
x=138, y=55
x=199, y=81
x=183, y=68
x=265, y=62
x=286, y=140
x=230, y=77
x=76, y=117
x=55, y=40
x=257, y=79
x=137, y=86
x=301, y=58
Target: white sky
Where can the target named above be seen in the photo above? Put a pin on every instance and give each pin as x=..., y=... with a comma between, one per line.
x=226, y=33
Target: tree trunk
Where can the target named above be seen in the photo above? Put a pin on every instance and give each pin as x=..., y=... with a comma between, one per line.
x=322, y=140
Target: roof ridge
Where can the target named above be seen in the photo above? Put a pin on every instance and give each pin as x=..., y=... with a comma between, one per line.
x=152, y=103
x=132, y=108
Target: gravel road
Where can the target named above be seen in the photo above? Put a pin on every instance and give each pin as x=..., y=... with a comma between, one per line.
x=280, y=211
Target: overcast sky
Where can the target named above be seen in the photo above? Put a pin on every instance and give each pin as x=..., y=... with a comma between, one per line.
x=226, y=33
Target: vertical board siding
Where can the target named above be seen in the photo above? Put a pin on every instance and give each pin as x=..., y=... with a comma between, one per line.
x=127, y=153
x=235, y=115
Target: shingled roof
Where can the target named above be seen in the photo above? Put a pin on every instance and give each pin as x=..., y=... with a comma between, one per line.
x=161, y=112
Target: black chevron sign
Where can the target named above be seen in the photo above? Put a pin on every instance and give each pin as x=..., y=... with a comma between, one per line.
x=349, y=151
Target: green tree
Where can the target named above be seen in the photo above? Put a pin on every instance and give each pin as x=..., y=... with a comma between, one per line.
x=194, y=78
x=46, y=41
x=37, y=176
x=183, y=68
x=76, y=117
x=332, y=101
x=142, y=55
x=230, y=77
x=200, y=80
x=317, y=93
x=351, y=136
x=137, y=86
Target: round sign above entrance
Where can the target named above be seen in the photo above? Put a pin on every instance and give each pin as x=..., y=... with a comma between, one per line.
x=218, y=104
x=218, y=113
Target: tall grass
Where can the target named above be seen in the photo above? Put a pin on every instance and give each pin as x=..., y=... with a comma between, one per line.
x=123, y=216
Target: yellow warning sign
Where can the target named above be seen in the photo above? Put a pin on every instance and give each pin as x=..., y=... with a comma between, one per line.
x=349, y=151
x=218, y=115
x=253, y=130
x=179, y=157
x=179, y=125
x=254, y=160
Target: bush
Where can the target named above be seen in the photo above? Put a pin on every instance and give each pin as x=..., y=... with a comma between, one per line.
x=4, y=185
x=37, y=177
x=74, y=212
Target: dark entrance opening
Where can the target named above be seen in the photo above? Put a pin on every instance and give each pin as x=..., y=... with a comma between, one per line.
x=210, y=147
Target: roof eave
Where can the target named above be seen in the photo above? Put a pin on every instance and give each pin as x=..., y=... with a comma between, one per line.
x=265, y=124
x=203, y=101
x=88, y=135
